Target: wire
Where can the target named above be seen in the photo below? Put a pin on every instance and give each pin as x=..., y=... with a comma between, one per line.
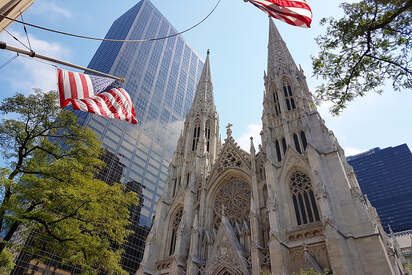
x=108, y=39
x=8, y=61
x=40, y=61
x=25, y=30
x=16, y=39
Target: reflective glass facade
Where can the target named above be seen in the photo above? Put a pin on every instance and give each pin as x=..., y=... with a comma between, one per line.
x=385, y=176
x=161, y=78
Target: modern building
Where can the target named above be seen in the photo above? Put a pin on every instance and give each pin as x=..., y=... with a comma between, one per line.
x=385, y=176
x=292, y=204
x=12, y=9
x=161, y=78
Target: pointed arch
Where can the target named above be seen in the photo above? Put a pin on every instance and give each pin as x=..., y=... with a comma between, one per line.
x=207, y=135
x=174, y=225
x=196, y=134
x=289, y=94
x=304, y=202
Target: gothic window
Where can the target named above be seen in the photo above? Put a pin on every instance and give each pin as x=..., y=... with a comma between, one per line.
x=175, y=225
x=304, y=202
x=234, y=199
x=290, y=101
x=196, y=135
x=303, y=138
x=277, y=103
x=278, y=154
x=297, y=145
x=207, y=135
x=174, y=187
x=284, y=145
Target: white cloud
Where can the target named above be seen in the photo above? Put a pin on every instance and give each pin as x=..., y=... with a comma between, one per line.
x=252, y=130
x=26, y=72
x=43, y=7
x=350, y=151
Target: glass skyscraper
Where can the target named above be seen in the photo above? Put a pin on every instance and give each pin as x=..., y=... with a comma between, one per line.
x=161, y=78
x=385, y=176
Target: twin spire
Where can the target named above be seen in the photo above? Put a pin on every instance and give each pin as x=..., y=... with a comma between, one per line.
x=204, y=98
x=279, y=57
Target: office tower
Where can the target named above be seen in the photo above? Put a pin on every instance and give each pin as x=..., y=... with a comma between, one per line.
x=385, y=176
x=161, y=78
x=12, y=9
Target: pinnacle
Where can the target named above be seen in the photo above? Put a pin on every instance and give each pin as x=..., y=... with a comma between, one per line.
x=278, y=53
x=204, y=93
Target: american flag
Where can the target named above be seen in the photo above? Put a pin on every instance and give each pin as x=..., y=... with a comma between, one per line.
x=94, y=94
x=293, y=12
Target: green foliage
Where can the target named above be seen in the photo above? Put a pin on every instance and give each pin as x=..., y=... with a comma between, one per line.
x=369, y=44
x=49, y=187
x=6, y=262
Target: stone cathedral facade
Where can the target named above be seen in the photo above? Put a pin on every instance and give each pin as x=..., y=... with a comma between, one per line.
x=292, y=204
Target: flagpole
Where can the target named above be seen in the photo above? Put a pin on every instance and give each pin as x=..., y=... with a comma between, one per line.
x=4, y=46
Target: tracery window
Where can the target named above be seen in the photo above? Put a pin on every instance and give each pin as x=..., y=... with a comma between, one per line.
x=207, y=135
x=278, y=154
x=297, y=145
x=304, y=202
x=304, y=141
x=290, y=101
x=196, y=135
x=284, y=145
x=235, y=198
x=277, y=103
x=175, y=225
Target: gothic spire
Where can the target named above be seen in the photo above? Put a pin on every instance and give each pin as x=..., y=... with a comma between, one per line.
x=204, y=92
x=279, y=57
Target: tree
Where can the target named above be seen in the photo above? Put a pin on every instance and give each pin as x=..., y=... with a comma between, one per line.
x=49, y=186
x=360, y=51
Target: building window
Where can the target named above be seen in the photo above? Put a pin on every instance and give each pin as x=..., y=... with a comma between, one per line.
x=278, y=154
x=277, y=103
x=207, y=135
x=304, y=202
x=297, y=145
x=284, y=146
x=175, y=225
x=196, y=135
x=303, y=138
x=290, y=101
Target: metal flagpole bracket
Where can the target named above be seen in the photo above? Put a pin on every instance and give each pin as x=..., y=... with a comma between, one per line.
x=31, y=53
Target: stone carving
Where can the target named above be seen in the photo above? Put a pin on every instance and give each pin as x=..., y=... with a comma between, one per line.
x=234, y=199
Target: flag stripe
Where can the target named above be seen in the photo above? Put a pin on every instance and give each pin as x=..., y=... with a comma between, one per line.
x=73, y=87
x=85, y=86
x=60, y=85
x=79, y=86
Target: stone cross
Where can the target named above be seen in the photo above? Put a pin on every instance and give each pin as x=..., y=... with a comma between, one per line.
x=229, y=131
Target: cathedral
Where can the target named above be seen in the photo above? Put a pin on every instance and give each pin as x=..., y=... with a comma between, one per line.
x=292, y=204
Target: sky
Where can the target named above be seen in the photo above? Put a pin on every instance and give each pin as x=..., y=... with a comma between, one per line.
x=236, y=34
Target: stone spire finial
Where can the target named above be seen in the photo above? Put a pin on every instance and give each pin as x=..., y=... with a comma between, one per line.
x=204, y=98
x=252, y=146
x=278, y=53
x=229, y=131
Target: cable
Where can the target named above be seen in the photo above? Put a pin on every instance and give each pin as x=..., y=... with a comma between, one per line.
x=8, y=61
x=108, y=39
x=16, y=39
x=25, y=30
x=37, y=60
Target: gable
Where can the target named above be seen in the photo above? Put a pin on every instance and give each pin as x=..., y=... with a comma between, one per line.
x=230, y=156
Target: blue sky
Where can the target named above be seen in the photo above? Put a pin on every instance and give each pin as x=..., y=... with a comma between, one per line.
x=237, y=35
